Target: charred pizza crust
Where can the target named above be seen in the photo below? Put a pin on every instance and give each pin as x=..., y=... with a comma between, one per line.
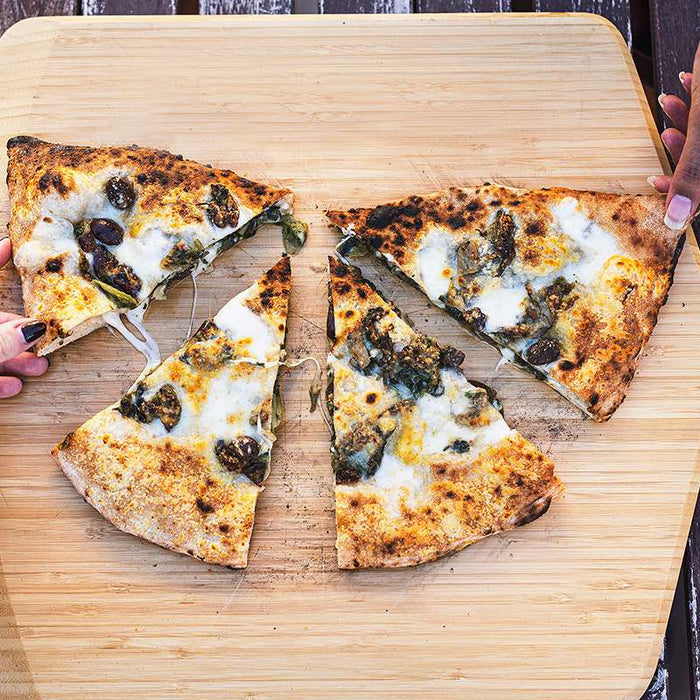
x=402, y=496
x=172, y=215
x=181, y=459
x=590, y=270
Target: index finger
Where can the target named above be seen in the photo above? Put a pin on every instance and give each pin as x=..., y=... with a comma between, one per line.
x=5, y=251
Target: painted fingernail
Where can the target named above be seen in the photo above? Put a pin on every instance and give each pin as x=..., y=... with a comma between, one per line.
x=678, y=212
x=661, y=99
x=33, y=331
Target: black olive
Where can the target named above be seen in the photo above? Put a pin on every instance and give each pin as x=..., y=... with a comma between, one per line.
x=120, y=193
x=544, y=351
x=451, y=357
x=107, y=231
x=238, y=453
x=118, y=275
x=256, y=471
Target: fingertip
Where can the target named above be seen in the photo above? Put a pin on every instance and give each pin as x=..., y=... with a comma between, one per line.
x=5, y=250
x=10, y=386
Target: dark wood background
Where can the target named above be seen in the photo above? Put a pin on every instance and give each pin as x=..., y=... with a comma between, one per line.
x=662, y=36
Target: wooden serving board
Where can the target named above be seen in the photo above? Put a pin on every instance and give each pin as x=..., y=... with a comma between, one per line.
x=347, y=111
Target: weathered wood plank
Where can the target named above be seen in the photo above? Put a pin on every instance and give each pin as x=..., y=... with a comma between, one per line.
x=617, y=11
x=675, y=33
x=462, y=5
x=245, y=7
x=658, y=688
x=692, y=572
x=335, y=7
x=129, y=7
x=12, y=11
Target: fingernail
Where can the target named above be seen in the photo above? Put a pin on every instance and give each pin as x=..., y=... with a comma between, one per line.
x=678, y=212
x=681, y=77
x=33, y=331
x=661, y=99
x=652, y=180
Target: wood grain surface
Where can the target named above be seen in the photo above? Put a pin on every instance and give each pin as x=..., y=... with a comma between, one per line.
x=352, y=111
x=616, y=11
x=129, y=7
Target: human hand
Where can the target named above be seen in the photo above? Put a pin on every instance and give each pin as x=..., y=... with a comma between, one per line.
x=17, y=335
x=682, y=141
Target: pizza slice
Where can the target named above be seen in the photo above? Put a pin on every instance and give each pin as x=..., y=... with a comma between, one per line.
x=181, y=458
x=566, y=284
x=100, y=231
x=424, y=462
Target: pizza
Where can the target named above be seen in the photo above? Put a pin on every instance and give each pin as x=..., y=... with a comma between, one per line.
x=181, y=458
x=424, y=462
x=567, y=284
x=101, y=231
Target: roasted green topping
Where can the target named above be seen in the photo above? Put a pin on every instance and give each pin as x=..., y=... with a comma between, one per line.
x=458, y=446
x=294, y=234
x=558, y=296
x=501, y=235
x=542, y=352
x=490, y=394
x=413, y=370
x=242, y=456
x=360, y=451
x=479, y=401
x=120, y=299
x=357, y=348
x=183, y=255
x=120, y=192
x=107, y=268
x=470, y=259
x=208, y=348
x=277, y=408
x=351, y=248
x=164, y=404
x=417, y=367
x=106, y=231
x=222, y=210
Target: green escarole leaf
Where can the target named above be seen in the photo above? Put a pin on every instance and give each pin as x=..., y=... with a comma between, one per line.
x=121, y=299
x=294, y=233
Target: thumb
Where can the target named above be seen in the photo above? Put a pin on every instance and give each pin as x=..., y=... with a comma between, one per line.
x=17, y=336
x=684, y=193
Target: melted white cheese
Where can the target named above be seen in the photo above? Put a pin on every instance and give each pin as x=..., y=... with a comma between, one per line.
x=143, y=253
x=240, y=323
x=595, y=245
x=502, y=306
x=438, y=414
x=437, y=261
x=47, y=241
x=395, y=480
x=148, y=347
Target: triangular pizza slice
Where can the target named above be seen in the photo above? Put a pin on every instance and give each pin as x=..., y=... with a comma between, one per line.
x=99, y=231
x=181, y=459
x=567, y=284
x=424, y=462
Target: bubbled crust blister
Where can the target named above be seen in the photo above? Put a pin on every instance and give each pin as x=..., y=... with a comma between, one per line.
x=605, y=330
x=167, y=187
x=505, y=486
x=172, y=490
